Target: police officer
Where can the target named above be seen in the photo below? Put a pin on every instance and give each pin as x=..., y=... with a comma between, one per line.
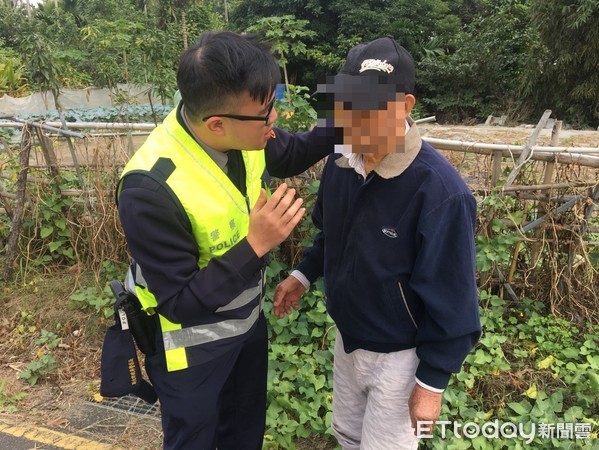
x=199, y=224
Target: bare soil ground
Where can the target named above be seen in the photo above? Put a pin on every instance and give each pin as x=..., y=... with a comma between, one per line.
x=509, y=135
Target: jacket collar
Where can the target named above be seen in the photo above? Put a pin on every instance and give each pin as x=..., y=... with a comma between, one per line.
x=395, y=164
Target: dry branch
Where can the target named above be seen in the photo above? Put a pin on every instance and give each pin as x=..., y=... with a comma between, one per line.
x=527, y=151
x=15, y=231
x=543, y=187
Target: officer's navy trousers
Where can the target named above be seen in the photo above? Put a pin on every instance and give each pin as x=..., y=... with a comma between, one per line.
x=219, y=404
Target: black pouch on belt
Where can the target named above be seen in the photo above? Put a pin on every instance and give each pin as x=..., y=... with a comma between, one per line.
x=119, y=370
x=142, y=326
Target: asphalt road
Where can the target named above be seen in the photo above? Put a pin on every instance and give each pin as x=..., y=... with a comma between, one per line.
x=29, y=437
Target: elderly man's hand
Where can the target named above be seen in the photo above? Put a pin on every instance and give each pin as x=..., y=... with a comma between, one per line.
x=287, y=295
x=424, y=405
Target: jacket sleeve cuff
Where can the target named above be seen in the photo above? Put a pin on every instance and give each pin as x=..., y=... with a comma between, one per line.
x=429, y=388
x=431, y=376
x=244, y=258
x=301, y=278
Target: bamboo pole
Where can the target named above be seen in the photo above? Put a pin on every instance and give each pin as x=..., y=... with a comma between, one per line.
x=554, y=212
x=539, y=197
x=540, y=153
x=22, y=123
x=17, y=123
x=426, y=120
x=506, y=149
x=75, y=162
x=528, y=148
x=544, y=187
x=550, y=165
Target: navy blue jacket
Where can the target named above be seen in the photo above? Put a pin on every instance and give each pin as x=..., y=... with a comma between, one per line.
x=397, y=253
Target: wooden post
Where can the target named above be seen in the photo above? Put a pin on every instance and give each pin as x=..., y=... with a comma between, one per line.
x=50, y=157
x=3, y=200
x=550, y=165
x=528, y=148
x=535, y=249
x=497, y=159
x=15, y=231
x=75, y=162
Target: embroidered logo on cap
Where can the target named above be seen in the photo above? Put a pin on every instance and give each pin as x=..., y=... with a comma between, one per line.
x=376, y=64
x=390, y=232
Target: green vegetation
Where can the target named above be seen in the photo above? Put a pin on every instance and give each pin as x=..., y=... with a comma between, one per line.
x=474, y=57
x=530, y=366
x=538, y=358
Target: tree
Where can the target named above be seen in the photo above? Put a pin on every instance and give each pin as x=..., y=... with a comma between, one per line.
x=326, y=52
x=562, y=71
x=105, y=39
x=12, y=73
x=286, y=35
x=477, y=73
x=42, y=64
x=341, y=24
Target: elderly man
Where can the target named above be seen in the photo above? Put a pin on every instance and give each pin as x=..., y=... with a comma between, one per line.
x=396, y=249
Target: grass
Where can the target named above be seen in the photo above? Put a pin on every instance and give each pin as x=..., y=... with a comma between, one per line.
x=56, y=399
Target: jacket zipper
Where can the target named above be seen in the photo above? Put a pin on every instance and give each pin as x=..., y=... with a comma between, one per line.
x=351, y=214
x=403, y=297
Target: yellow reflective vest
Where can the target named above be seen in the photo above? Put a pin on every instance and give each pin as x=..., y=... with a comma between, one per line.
x=219, y=217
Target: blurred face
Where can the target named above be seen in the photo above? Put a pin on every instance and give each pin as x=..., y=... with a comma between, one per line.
x=245, y=124
x=379, y=131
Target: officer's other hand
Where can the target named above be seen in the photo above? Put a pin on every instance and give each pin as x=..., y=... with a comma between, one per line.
x=272, y=220
x=424, y=405
x=287, y=295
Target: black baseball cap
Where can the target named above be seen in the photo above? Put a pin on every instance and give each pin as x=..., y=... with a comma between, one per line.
x=372, y=75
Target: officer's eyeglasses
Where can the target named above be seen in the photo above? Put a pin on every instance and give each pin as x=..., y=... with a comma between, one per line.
x=265, y=119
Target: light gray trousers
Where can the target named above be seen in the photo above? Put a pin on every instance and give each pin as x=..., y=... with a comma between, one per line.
x=370, y=399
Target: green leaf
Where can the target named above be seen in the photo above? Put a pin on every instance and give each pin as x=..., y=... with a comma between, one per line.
x=319, y=382
x=46, y=231
x=594, y=380
x=522, y=408
x=570, y=353
x=55, y=245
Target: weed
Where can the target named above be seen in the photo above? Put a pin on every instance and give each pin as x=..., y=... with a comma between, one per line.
x=41, y=366
x=8, y=402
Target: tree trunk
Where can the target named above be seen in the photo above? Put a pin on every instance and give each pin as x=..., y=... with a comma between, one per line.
x=17, y=219
x=184, y=29
x=285, y=74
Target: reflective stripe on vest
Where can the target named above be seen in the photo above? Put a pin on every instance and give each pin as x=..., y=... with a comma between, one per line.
x=219, y=218
x=202, y=334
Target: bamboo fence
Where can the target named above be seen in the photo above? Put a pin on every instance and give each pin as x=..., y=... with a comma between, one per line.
x=547, y=198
